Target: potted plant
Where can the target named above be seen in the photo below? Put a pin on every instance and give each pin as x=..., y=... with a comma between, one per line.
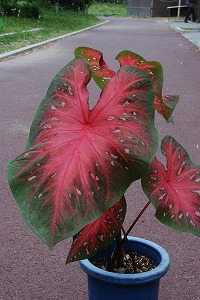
x=78, y=163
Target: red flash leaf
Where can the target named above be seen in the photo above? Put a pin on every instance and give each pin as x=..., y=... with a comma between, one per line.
x=175, y=191
x=79, y=162
x=170, y=101
x=99, y=233
x=101, y=73
x=163, y=104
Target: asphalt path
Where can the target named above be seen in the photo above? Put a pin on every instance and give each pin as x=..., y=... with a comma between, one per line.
x=28, y=269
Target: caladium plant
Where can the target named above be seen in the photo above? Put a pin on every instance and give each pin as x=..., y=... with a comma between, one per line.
x=78, y=162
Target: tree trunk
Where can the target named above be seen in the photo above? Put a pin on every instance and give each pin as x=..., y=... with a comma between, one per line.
x=198, y=13
x=57, y=8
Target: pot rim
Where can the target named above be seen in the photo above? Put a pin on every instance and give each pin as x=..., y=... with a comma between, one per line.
x=152, y=275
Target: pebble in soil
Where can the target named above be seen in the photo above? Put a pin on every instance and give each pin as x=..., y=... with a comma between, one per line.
x=134, y=263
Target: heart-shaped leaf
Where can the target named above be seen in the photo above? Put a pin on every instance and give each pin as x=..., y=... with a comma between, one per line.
x=101, y=73
x=79, y=162
x=99, y=233
x=175, y=191
x=163, y=104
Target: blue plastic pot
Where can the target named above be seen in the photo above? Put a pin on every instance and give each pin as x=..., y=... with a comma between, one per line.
x=104, y=285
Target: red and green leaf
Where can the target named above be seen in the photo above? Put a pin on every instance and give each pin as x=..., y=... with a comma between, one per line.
x=101, y=73
x=99, y=233
x=166, y=109
x=79, y=162
x=152, y=68
x=175, y=190
x=163, y=104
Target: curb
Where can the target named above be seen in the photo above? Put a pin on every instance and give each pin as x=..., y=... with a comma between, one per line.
x=40, y=44
x=13, y=33
x=183, y=30
x=192, y=34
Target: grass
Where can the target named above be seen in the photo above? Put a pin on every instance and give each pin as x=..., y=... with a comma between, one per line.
x=117, y=10
x=52, y=25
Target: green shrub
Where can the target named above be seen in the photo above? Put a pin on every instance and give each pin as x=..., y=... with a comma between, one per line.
x=44, y=3
x=29, y=11
x=112, y=1
x=77, y=5
x=25, y=10
x=9, y=9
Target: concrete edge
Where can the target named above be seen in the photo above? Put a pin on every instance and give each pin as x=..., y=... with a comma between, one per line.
x=31, y=47
x=13, y=33
x=186, y=34
x=189, y=38
x=182, y=30
x=175, y=28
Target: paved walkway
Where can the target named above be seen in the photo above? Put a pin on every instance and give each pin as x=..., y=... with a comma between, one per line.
x=190, y=31
x=27, y=49
x=28, y=269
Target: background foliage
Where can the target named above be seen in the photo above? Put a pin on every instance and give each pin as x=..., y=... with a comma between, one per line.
x=50, y=24
x=31, y=8
x=21, y=9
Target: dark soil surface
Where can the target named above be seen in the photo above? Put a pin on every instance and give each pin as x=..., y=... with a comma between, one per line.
x=132, y=263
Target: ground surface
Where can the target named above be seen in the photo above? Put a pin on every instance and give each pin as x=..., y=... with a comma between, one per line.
x=28, y=269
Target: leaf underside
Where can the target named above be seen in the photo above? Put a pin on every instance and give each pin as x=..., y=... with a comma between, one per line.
x=175, y=191
x=79, y=162
x=99, y=233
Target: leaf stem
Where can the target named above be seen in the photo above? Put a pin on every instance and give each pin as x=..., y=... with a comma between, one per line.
x=117, y=254
x=136, y=220
x=119, y=250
